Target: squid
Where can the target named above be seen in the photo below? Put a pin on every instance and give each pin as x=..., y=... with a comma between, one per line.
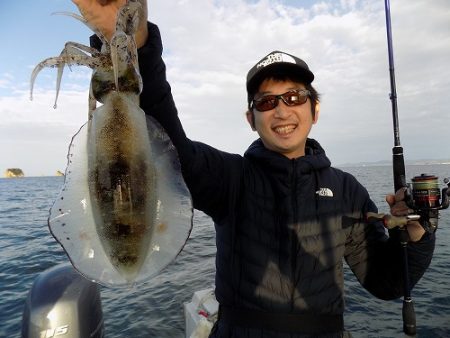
x=124, y=212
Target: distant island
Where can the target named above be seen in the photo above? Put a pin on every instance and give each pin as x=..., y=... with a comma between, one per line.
x=17, y=172
x=14, y=172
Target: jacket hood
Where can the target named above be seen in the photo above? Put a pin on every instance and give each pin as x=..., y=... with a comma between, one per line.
x=314, y=159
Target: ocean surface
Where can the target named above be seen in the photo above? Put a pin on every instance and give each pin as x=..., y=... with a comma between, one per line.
x=155, y=309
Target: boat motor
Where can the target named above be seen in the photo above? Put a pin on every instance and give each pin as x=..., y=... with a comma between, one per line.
x=62, y=303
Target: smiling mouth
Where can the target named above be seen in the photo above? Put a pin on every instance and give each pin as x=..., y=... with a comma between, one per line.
x=284, y=130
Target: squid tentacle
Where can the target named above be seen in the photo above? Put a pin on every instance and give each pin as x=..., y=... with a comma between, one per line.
x=70, y=50
x=72, y=54
x=83, y=20
x=128, y=18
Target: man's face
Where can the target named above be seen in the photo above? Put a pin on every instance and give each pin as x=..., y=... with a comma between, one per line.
x=283, y=129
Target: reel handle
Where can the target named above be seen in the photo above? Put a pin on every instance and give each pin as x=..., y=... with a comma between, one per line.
x=446, y=194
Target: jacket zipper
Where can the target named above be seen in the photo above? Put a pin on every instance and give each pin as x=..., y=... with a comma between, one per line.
x=294, y=239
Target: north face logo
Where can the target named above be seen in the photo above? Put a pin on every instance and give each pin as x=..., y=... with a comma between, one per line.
x=324, y=192
x=276, y=57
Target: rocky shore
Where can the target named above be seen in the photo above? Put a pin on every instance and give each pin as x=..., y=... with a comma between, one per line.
x=14, y=172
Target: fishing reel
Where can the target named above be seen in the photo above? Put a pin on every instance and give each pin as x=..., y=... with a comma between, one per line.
x=424, y=197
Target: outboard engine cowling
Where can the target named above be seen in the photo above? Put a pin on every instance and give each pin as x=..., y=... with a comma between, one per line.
x=62, y=303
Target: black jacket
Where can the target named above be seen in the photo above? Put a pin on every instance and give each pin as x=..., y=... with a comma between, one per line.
x=283, y=226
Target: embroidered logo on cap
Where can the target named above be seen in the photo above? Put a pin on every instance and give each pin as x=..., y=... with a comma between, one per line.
x=324, y=192
x=276, y=57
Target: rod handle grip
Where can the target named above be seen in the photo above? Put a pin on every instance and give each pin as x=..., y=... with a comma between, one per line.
x=409, y=318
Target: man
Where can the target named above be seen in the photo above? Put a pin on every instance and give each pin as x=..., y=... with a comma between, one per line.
x=284, y=218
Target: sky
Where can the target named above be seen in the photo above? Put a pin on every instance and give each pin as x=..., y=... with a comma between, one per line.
x=209, y=46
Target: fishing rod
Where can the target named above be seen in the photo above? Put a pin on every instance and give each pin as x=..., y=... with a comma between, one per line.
x=398, y=163
x=422, y=195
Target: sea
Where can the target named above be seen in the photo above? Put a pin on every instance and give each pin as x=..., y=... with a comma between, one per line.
x=155, y=308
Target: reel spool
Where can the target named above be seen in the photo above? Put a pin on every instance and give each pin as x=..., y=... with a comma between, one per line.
x=425, y=199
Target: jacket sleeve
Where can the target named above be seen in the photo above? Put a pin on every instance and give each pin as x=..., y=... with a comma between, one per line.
x=375, y=257
x=211, y=175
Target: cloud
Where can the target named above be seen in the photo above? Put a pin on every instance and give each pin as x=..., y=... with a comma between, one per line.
x=4, y=83
x=345, y=45
x=209, y=45
x=6, y=80
x=33, y=135
x=71, y=108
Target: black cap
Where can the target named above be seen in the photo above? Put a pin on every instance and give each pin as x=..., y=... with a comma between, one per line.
x=276, y=62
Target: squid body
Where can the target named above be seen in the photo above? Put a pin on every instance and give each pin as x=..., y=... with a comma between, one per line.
x=124, y=212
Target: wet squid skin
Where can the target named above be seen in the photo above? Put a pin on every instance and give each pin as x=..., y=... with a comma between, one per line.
x=122, y=181
x=121, y=175
x=115, y=212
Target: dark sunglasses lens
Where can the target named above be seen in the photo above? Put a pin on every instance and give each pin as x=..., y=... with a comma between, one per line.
x=294, y=98
x=266, y=103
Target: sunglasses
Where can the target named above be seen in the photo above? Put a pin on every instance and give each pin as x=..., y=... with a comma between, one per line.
x=291, y=98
